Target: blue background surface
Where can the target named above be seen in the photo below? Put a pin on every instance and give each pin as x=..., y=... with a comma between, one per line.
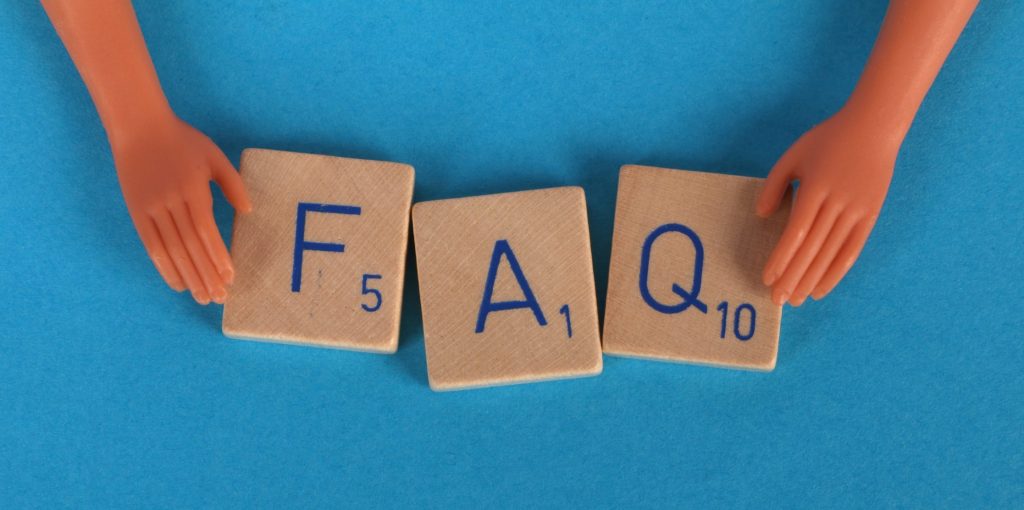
x=903, y=388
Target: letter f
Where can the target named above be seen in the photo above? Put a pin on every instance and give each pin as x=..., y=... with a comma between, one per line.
x=302, y=245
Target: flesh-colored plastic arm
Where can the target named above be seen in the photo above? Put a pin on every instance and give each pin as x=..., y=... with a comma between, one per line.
x=844, y=165
x=163, y=164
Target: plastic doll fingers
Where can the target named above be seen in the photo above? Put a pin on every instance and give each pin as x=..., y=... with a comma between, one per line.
x=158, y=253
x=824, y=259
x=809, y=248
x=182, y=261
x=775, y=188
x=844, y=259
x=206, y=228
x=800, y=221
x=207, y=272
x=230, y=182
x=777, y=183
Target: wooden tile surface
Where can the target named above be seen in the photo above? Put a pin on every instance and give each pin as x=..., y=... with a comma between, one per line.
x=656, y=313
x=461, y=242
x=347, y=299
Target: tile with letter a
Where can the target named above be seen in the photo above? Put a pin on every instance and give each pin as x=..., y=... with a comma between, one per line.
x=321, y=258
x=685, y=277
x=507, y=288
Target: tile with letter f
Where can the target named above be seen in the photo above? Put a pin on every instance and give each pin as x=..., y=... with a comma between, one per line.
x=507, y=288
x=685, y=272
x=321, y=258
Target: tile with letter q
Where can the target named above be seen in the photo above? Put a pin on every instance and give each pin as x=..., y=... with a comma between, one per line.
x=507, y=288
x=321, y=258
x=685, y=272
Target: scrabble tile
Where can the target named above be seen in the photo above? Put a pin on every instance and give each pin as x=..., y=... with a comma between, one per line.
x=321, y=258
x=507, y=288
x=685, y=278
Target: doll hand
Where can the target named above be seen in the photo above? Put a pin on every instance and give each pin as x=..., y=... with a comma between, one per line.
x=844, y=167
x=165, y=169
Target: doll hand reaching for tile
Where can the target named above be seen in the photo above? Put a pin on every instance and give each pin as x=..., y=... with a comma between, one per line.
x=164, y=170
x=843, y=166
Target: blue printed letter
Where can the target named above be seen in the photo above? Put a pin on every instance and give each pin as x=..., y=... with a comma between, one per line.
x=688, y=297
x=501, y=248
x=302, y=245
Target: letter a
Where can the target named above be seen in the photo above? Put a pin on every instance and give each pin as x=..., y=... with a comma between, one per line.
x=502, y=248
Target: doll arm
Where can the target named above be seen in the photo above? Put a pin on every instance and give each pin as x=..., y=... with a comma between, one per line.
x=164, y=165
x=844, y=165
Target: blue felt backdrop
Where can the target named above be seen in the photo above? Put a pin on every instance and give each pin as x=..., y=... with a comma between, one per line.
x=903, y=388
